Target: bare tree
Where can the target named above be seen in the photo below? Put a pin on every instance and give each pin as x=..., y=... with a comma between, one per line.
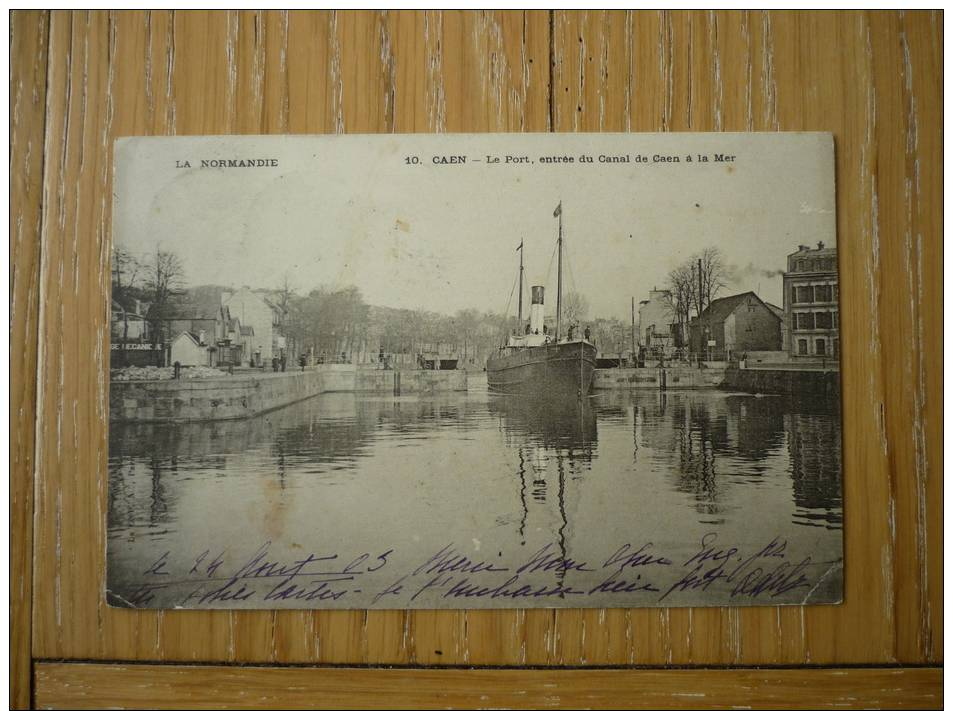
x=165, y=280
x=333, y=321
x=694, y=284
x=126, y=270
x=575, y=308
x=285, y=294
x=286, y=299
x=466, y=323
x=713, y=274
x=324, y=318
x=609, y=335
x=683, y=291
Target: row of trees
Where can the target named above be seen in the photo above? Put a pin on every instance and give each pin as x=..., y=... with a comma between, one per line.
x=339, y=320
x=324, y=319
x=332, y=321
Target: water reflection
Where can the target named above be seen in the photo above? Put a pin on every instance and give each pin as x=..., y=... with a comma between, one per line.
x=703, y=441
x=554, y=471
x=555, y=439
x=554, y=423
x=814, y=442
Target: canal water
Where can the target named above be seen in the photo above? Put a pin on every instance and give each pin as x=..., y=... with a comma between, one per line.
x=679, y=476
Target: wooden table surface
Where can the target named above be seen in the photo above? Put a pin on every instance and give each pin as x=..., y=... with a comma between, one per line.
x=80, y=79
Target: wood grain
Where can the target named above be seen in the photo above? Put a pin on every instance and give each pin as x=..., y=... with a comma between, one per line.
x=27, y=122
x=80, y=79
x=87, y=686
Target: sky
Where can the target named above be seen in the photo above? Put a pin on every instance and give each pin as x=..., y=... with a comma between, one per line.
x=350, y=210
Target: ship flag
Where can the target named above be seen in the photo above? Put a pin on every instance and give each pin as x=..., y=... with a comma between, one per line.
x=559, y=209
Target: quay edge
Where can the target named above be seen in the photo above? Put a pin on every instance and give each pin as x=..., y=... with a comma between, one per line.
x=775, y=380
x=247, y=395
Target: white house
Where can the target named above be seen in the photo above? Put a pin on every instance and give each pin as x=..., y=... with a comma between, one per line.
x=187, y=350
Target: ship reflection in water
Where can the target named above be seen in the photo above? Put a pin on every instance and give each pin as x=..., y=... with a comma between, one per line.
x=481, y=466
x=555, y=440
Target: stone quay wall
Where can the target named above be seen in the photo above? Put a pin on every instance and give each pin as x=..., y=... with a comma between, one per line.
x=246, y=395
x=784, y=381
x=674, y=378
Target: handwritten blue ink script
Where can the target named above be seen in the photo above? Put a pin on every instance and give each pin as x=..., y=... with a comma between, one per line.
x=629, y=575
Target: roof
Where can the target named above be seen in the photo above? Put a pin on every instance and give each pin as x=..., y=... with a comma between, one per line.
x=206, y=302
x=720, y=309
x=822, y=252
x=191, y=336
x=247, y=330
x=131, y=315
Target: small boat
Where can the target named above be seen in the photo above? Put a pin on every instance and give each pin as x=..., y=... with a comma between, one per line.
x=536, y=362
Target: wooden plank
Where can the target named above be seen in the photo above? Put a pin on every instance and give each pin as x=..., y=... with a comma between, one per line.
x=871, y=78
x=29, y=31
x=81, y=686
x=70, y=516
x=923, y=72
x=905, y=132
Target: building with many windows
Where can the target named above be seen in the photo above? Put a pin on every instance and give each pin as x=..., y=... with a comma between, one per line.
x=810, y=303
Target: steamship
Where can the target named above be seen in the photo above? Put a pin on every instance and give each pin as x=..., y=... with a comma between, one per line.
x=536, y=362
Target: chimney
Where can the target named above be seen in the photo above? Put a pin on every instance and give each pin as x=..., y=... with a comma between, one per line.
x=802, y=248
x=536, y=317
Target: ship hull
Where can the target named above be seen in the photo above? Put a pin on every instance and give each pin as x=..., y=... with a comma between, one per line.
x=551, y=369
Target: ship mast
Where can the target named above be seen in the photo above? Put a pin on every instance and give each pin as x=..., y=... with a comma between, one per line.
x=559, y=271
x=519, y=322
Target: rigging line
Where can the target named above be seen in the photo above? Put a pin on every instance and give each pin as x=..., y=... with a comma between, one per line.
x=524, y=289
x=574, y=288
x=568, y=254
x=549, y=270
x=527, y=285
x=506, y=311
x=572, y=279
x=568, y=260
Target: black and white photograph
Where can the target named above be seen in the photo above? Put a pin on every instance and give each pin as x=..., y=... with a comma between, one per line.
x=474, y=371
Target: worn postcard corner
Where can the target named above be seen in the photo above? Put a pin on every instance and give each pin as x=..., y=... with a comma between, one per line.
x=474, y=371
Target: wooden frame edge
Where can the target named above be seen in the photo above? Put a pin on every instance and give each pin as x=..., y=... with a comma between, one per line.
x=87, y=685
x=29, y=43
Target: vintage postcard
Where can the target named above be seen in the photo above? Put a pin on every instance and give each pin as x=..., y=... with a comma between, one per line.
x=474, y=371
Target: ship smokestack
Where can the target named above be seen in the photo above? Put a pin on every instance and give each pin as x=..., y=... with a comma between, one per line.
x=536, y=318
